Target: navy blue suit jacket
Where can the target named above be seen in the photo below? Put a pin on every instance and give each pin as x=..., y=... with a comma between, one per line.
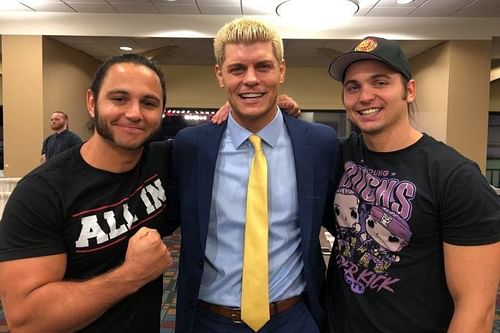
x=316, y=152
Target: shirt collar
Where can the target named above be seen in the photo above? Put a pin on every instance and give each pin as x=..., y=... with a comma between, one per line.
x=269, y=134
x=66, y=130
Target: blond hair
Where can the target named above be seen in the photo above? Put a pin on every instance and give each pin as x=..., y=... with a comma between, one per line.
x=246, y=31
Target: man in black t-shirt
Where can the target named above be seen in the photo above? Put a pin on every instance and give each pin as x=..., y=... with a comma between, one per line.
x=418, y=226
x=81, y=236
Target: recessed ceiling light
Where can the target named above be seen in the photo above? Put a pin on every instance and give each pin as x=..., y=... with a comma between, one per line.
x=403, y=2
x=126, y=48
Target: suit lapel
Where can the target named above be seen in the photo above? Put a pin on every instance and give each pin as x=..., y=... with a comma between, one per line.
x=303, y=151
x=209, y=143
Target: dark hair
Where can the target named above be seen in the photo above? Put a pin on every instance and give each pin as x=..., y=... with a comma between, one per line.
x=413, y=105
x=132, y=58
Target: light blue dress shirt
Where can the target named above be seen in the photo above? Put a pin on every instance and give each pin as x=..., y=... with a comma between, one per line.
x=221, y=281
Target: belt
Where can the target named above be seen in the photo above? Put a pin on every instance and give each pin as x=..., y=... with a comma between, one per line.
x=235, y=313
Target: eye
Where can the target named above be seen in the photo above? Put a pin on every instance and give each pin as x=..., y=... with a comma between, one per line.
x=337, y=210
x=150, y=104
x=393, y=239
x=354, y=214
x=351, y=88
x=380, y=83
x=236, y=70
x=370, y=222
x=118, y=99
x=264, y=66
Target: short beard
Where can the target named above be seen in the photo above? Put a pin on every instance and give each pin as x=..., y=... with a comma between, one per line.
x=103, y=130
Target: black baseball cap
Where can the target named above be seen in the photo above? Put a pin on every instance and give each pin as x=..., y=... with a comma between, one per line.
x=374, y=48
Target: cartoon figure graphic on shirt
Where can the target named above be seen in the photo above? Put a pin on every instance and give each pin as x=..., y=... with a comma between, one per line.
x=386, y=234
x=373, y=209
x=346, y=212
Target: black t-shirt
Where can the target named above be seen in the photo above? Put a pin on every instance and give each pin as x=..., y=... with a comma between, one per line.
x=394, y=211
x=67, y=206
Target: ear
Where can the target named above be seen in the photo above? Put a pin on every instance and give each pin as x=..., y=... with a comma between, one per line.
x=90, y=102
x=218, y=75
x=411, y=89
x=282, y=71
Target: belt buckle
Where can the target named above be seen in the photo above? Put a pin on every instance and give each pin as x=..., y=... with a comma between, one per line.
x=235, y=317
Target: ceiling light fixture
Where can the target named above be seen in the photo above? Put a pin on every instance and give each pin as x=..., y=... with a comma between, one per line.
x=126, y=48
x=317, y=13
x=403, y=2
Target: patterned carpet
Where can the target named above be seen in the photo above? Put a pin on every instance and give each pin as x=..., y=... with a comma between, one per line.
x=169, y=282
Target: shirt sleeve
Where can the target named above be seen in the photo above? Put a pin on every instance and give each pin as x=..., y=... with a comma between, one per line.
x=469, y=209
x=76, y=140
x=44, y=146
x=31, y=225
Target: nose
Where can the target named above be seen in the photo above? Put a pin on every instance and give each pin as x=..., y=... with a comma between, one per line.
x=366, y=94
x=250, y=76
x=134, y=112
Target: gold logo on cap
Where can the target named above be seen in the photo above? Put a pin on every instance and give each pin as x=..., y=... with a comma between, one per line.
x=366, y=45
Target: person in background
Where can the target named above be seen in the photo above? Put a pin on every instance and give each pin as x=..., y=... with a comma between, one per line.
x=61, y=140
x=217, y=211
x=81, y=246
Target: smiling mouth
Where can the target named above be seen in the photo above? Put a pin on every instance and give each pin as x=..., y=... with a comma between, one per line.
x=132, y=128
x=251, y=95
x=368, y=112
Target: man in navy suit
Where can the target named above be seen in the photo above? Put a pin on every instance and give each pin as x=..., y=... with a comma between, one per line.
x=212, y=164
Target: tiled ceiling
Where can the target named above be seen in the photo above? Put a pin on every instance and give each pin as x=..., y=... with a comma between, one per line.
x=189, y=51
x=298, y=51
x=382, y=8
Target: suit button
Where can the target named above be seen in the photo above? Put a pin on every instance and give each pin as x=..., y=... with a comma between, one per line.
x=200, y=263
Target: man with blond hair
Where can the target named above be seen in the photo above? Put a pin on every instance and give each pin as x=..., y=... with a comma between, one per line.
x=214, y=164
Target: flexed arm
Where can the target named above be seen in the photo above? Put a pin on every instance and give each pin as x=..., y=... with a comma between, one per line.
x=37, y=299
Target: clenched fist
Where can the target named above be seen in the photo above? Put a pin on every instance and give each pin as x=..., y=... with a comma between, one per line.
x=147, y=256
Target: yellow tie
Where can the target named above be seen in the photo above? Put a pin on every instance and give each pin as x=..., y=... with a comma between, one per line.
x=255, y=285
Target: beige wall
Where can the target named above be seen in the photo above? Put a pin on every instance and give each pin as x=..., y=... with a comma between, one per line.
x=23, y=102
x=495, y=95
x=430, y=70
x=453, y=95
x=196, y=86
x=469, y=99
x=40, y=75
x=192, y=86
x=313, y=88
x=67, y=73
